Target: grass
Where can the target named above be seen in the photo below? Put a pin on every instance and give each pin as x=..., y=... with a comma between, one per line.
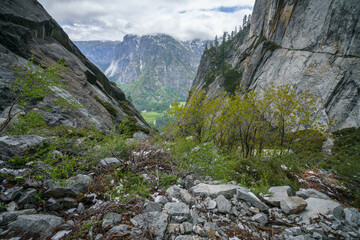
x=151, y=117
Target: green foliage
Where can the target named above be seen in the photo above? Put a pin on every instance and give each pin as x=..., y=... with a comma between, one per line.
x=128, y=186
x=249, y=121
x=27, y=124
x=232, y=79
x=108, y=106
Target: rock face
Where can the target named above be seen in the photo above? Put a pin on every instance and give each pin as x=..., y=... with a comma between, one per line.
x=27, y=30
x=159, y=66
x=310, y=44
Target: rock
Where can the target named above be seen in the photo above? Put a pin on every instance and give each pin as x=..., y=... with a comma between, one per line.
x=29, y=197
x=291, y=205
x=61, y=234
x=6, y=217
x=250, y=198
x=177, y=209
x=211, y=204
x=67, y=202
x=53, y=205
x=213, y=191
x=80, y=208
x=278, y=193
x=160, y=199
x=12, y=207
x=352, y=216
x=61, y=192
x=306, y=193
x=260, y=218
x=11, y=194
x=212, y=230
x=223, y=205
x=37, y=226
x=15, y=145
x=325, y=207
x=110, y=162
x=73, y=186
x=187, y=237
x=99, y=237
x=155, y=222
x=140, y=136
x=173, y=228
x=122, y=230
x=187, y=227
x=181, y=194
x=152, y=207
x=111, y=219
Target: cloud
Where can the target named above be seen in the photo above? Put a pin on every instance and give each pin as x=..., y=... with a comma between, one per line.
x=182, y=19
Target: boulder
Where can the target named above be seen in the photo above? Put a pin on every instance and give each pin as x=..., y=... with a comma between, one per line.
x=278, y=193
x=153, y=207
x=223, y=205
x=180, y=194
x=15, y=145
x=7, y=217
x=322, y=206
x=260, y=218
x=73, y=186
x=29, y=197
x=110, y=162
x=38, y=226
x=177, y=209
x=111, y=219
x=250, y=198
x=213, y=191
x=155, y=222
x=291, y=205
x=11, y=194
x=122, y=230
x=352, y=216
x=313, y=193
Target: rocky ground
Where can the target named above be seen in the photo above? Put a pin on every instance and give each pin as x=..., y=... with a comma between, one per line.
x=194, y=208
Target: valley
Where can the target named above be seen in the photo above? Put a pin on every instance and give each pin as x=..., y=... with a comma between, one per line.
x=100, y=140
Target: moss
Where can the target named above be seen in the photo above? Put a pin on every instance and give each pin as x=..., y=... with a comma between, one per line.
x=270, y=46
x=125, y=107
x=110, y=108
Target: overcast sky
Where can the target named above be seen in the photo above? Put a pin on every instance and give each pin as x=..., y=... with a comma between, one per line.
x=182, y=19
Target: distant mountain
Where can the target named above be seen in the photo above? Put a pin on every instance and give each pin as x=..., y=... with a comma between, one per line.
x=153, y=70
x=100, y=53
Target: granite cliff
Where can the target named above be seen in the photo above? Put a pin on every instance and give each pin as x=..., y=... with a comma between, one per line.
x=310, y=44
x=27, y=30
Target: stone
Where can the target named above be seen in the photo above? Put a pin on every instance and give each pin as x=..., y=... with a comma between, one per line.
x=152, y=207
x=7, y=217
x=322, y=206
x=187, y=237
x=61, y=192
x=260, y=218
x=250, y=198
x=211, y=204
x=187, y=227
x=177, y=209
x=161, y=199
x=11, y=194
x=15, y=145
x=81, y=208
x=352, y=216
x=99, y=237
x=173, y=228
x=29, y=197
x=181, y=194
x=155, y=222
x=38, y=225
x=278, y=193
x=122, y=230
x=111, y=219
x=12, y=207
x=291, y=205
x=306, y=193
x=213, y=191
x=140, y=136
x=67, y=202
x=110, y=162
x=61, y=234
x=223, y=205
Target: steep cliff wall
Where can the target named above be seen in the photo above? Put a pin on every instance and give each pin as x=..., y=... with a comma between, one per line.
x=27, y=30
x=312, y=44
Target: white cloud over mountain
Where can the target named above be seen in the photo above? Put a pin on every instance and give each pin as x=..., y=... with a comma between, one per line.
x=112, y=19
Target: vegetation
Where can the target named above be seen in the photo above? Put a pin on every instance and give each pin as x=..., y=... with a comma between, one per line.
x=32, y=84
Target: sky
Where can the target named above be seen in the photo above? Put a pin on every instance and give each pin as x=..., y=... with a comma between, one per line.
x=113, y=19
